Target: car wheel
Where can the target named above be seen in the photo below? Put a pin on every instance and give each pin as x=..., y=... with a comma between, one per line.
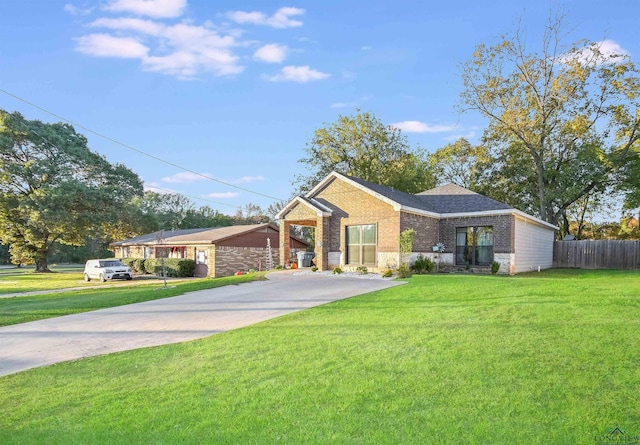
x=87, y=277
x=129, y=277
x=102, y=278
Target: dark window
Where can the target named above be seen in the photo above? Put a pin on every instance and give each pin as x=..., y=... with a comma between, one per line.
x=474, y=246
x=361, y=244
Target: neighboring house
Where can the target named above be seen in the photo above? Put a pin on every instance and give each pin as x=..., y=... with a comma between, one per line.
x=217, y=251
x=358, y=223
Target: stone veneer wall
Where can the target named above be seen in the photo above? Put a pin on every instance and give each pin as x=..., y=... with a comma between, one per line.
x=229, y=260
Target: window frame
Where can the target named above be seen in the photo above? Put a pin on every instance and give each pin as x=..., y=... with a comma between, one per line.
x=469, y=254
x=361, y=245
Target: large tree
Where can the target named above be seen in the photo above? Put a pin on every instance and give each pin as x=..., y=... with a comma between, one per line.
x=364, y=147
x=54, y=189
x=459, y=163
x=563, y=121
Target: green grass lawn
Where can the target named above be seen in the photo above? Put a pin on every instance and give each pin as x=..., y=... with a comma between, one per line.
x=542, y=358
x=36, y=307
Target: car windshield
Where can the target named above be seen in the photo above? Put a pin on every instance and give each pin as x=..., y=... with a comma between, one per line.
x=112, y=263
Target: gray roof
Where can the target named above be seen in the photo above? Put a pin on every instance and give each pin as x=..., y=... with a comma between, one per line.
x=208, y=235
x=450, y=198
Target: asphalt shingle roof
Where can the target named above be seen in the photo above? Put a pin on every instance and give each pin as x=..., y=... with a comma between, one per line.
x=206, y=235
x=450, y=198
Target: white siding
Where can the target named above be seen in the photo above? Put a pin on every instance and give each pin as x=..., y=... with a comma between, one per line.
x=533, y=246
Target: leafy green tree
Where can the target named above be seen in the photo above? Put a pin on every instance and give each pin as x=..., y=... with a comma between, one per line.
x=459, y=163
x=364, y=147
x=562, y=121
x=250, y=214
x=54, y=189
x=204, y=217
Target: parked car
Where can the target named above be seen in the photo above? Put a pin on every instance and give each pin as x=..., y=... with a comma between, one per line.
x=106, y=269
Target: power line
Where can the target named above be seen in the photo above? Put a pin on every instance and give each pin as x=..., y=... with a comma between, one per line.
x=129, y=147
x=153, y=187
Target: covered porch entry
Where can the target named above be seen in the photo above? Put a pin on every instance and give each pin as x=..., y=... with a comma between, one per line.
x=308, y=213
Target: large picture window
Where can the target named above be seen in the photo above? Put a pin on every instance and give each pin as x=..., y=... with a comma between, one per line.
x=361, y=245
x=474, y=246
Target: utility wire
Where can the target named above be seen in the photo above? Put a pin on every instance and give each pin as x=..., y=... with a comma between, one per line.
x=153, y=187
x=136, y=149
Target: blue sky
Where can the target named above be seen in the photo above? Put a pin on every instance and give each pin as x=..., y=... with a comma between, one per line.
x=234, y=90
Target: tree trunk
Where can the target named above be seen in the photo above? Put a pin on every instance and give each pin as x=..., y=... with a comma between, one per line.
x=41, y=264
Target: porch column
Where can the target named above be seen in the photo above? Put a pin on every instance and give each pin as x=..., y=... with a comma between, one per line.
x=322, y=243
x=285, y=242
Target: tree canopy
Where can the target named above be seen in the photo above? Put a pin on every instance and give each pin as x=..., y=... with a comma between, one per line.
x=459, y=163
x=54, y=189
x=564, y=121
x=364, y=147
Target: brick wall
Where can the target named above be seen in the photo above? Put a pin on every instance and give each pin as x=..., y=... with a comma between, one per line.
x=427, y=230
x=228, y=260
x=352, y=206
x=503, y=234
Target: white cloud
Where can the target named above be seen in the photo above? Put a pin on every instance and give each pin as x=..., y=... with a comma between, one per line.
x=128, y=24
x=223, y=195
x=104, y=45
x=608, y=51
x=366, y=48
x=421, y=127
x=300, y=74
x=74, y=10
x=271, y=53
x=182, y=50
x=151, y=8
x=247, y=179
x=280, y=19
x=610, y=48
x=184, y=177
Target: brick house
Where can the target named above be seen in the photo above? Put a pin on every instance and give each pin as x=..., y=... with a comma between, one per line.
x=358, y=223
x=217, y=251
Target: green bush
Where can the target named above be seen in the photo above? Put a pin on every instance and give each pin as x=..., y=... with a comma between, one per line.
x=138, y=265
x=423, y=265
x=387, y=273
x=150, y=265
x=337, y=270
x=362, y=270
x=495, y=267
x=175, y=267
x=404, y=271
x=314, y=269
x=186, y=268
x=129, y=262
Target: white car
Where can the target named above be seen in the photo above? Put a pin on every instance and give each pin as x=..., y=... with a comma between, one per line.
x=106, y=269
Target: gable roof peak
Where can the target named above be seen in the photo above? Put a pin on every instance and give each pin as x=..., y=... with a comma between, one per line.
x=448, y=189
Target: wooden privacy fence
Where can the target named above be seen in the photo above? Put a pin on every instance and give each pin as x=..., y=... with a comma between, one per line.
x=597, y=254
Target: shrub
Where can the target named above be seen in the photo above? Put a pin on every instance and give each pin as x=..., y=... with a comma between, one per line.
x=404, y=271
x=186, y=268
x=129, y=262
x=422, y=265
x=387, y=273
x=337, y=270
x=495, y=267
x=175, y=267
x=150, y=265
x=279, y=267
x=362, y=270
x=314, y=269
x=138, y=265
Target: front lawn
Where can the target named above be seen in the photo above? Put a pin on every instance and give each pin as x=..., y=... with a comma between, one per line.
x=36, y=307
x=542, y=358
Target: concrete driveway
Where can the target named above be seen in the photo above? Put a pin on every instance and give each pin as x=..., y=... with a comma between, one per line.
x=170, y=320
